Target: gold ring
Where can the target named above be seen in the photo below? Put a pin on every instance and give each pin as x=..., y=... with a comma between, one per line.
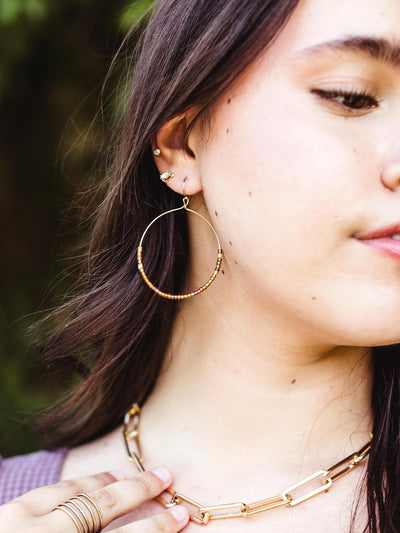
x=84, y=512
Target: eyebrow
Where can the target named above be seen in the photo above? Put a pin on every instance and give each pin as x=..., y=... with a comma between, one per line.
x=375, y=48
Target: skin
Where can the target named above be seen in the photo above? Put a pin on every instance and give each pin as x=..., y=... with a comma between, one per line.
x=114, y=494
x=267, y=376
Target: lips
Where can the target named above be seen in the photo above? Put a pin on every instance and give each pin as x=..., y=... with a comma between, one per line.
x=385, y=240
x=387, y=231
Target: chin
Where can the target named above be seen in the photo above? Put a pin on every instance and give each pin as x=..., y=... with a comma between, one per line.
x=389, y=342
x=376, y=328
x=365, y=318
x=380, y=328
x=371, y=337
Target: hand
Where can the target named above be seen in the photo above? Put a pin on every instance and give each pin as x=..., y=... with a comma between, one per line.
x=34, y=511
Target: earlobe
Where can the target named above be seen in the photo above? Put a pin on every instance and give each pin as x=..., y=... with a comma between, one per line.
x=173, y=154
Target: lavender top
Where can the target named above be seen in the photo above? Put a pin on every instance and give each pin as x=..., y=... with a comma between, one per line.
x=23, y=473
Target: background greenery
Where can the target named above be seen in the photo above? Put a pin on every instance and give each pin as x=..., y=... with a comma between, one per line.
x=54, y=56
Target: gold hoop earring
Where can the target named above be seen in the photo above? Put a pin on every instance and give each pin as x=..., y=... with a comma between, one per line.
x=140, y=253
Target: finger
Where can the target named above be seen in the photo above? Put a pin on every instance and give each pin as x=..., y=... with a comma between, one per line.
x=43, y=500
x=170, y=521
x=120, y=498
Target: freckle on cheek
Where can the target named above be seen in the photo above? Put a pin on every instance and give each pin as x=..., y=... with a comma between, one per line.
x=236, y=262
x=293, y=381
x=227, y=130
x=216, y=213
x=249, y=193
x=314, y=298
x=230, y=242
x=223, y=272
x=229, y=100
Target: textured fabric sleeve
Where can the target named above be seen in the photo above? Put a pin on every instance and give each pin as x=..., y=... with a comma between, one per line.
x=23, y=473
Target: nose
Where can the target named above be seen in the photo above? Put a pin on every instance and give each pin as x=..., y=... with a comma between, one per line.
x=390, y=176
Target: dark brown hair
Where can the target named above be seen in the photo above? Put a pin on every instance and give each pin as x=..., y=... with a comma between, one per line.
x=115, y=330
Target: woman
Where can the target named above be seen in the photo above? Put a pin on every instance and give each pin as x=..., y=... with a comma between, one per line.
x=279, y=120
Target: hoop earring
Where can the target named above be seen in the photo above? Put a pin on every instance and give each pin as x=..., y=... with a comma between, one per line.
x=140, y=252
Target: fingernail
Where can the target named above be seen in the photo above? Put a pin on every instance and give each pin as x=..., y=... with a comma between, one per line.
x=162, y=473
x=179, y=513
x=119, y=476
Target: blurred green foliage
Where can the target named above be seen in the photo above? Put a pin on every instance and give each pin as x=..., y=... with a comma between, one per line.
x=11, y=10
x=54, y=56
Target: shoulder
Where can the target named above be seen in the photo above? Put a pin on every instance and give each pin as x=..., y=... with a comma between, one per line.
x=23, y=473
x=103, y=454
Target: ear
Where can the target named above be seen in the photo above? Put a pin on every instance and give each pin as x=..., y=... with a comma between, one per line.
x=177, y=156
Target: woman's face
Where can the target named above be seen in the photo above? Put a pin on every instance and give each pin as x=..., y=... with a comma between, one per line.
x=303, y=160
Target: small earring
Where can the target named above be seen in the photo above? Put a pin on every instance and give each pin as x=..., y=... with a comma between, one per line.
x=166, y=176
x=140, y=253
x=157, y=152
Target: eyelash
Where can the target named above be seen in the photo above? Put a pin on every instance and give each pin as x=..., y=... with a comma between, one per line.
x=338, y=97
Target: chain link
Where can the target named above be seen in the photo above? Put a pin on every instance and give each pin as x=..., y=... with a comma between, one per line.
x=326, y=484
x=204, y=514
x=348, y=463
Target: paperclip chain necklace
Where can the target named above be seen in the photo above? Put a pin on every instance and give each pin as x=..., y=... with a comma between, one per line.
x=236, y=510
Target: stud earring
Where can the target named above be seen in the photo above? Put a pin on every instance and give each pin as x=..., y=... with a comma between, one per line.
x=157, y=152
x=166, y=176
x=217, y=268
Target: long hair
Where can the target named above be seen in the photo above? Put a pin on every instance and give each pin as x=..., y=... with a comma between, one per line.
x=114, y=332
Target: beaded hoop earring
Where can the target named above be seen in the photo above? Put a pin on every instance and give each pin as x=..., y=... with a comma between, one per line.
x=140, y=252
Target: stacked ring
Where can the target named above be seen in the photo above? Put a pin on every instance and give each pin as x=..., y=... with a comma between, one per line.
x=84, y=513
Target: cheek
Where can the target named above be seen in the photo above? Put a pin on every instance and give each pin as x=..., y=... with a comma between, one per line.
x=280, y=181
x=286, y=187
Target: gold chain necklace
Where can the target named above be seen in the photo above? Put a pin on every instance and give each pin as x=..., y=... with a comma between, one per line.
x=235, y=510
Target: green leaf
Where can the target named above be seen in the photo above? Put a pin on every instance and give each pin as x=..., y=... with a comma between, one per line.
x=133, y=12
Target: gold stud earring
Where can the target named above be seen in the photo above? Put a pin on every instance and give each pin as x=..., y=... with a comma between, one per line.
x=166, y=176
x=157, y=152
x=217, y=268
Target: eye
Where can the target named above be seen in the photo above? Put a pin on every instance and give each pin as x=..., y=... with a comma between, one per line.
x=351, y=100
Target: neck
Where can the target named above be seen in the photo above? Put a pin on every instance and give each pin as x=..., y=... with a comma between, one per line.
x=252, y=384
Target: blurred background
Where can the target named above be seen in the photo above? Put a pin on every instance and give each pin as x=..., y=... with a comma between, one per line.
x=54, y=57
